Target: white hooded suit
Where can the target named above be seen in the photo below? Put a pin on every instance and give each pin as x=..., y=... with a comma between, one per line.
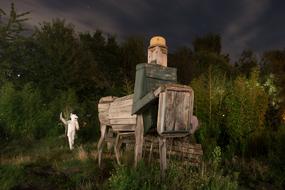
x=72, y=126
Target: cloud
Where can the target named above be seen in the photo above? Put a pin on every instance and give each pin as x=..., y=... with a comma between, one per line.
x=238, y=34
x=242, y=24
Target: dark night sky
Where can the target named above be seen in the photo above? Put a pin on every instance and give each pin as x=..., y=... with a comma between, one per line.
x=243, y=24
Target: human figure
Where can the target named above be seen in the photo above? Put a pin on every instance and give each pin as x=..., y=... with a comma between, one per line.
x=72, y=125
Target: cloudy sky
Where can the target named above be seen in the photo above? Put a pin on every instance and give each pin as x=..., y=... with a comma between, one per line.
x=243, y=24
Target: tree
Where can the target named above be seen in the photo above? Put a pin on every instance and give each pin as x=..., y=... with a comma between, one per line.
x=11, y=42
x=273, y=62
x=133, y=52
x=56, y=55
x=246, y=63
x=246, y=104
x=182, y=60
x=208, y=43
x=207, y=51
x=210, y=89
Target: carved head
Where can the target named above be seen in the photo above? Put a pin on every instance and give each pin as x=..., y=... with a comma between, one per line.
x=157, y=51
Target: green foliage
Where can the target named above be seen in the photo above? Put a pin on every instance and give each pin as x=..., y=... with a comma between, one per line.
x=178, y=176
x=229, y=112
x=25, y=114
x=210, y=90
x=246, y=107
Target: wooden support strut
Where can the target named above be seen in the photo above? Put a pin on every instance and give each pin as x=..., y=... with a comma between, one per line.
x=162, y=154
x=139, y=132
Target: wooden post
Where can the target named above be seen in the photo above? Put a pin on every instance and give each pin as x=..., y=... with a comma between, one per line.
x=100, y=143
x=117, y=148
x=162, y=154
x=139, y=139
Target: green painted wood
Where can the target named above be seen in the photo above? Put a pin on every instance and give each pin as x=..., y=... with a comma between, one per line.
x=148, y=78
x=143, y=102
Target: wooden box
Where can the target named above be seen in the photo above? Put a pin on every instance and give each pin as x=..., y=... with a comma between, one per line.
x=117, y=112
x=151, y=76
x=175, y=110
x=148, y=78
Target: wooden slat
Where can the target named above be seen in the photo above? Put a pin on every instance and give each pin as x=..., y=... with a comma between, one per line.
x=159, y=72
x=170, y=109
x=123, y=121
x=126, y=102
x=103, y=106
x=161, y=113
x=123, y=127
x=107, y=99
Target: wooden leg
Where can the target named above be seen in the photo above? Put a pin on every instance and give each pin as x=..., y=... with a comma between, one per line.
x=150, y=152
x=139, y=139
x=117, y=148
x=162, y=154
x=100, y=143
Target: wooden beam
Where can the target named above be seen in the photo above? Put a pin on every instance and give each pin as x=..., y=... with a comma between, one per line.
x=139, y=139
x=162, y=153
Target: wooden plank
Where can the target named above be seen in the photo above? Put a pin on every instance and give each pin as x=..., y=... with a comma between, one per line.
x=119, y=102
x=170, y=106
x=143, y=102
x=104, y=106
x=181, y=107
x=159, y=72
x=178, y=88
x=161, y=113
x=107, y=99
x=162, y=153
x=118, y=115
x=139, y=131
x=126, y=109
x=123, y=127
x=123, y=121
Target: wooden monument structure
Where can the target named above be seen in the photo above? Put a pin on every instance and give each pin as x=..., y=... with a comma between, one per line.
x=159, y=106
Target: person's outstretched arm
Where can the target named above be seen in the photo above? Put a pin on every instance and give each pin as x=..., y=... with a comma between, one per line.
x=62, y=119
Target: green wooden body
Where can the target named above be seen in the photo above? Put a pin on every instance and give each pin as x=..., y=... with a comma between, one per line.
x=148, y=78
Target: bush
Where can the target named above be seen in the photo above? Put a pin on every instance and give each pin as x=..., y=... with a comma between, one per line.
x=178, y=176
x=24, y=113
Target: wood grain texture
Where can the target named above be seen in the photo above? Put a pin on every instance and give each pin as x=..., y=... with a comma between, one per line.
x=139, y=132
x=175, y=109
x=162, y=156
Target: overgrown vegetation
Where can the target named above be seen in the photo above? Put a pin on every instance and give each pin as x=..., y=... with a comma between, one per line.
x=239, y=105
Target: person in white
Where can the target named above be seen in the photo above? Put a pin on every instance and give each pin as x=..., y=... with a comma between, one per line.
x=71, y=125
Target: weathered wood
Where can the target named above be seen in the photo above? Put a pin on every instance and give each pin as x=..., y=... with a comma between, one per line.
x=116, y=149
x=162, y=153
x=107, y=99
x=117, y=128
x=123, y=121
x=119, y=140
x=148, y=78
x=161, y=113
x=100, y=143
x=176, y=148
x=139, y=139
x=116, y=113
x=143, y=102
x=175, y=110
